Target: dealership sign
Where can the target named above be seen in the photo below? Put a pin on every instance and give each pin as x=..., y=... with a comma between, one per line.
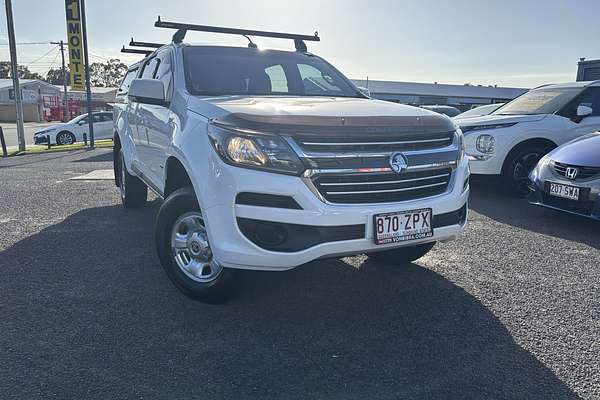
x=76, y=63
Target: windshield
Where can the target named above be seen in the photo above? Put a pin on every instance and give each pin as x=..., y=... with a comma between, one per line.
x=77, y=119
x=215, y=71
x=479, y=111
x=539, y=101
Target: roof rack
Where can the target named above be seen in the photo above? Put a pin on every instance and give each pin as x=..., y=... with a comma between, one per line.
x=136, y=51
x=183, y=28
x=151, y=45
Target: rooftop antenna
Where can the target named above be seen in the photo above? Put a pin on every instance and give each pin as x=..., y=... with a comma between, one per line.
x=251, y=44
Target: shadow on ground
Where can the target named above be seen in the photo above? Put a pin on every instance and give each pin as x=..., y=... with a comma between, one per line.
x=88, y=313
x=102, y=157
x=487, y=199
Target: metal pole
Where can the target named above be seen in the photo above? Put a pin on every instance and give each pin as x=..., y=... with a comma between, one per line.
x=86, y=60
x=3, y=143
x=15, y=74
x=64, y=78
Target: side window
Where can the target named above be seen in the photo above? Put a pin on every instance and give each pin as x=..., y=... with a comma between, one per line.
x=104, y=117
x=315, y=83
x=150, y=68
x=279, y=83
x=591, y=98
x=96, y=118
x=164, y=71
x=129, y=76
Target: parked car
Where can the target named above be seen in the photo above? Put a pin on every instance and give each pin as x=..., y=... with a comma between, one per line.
x=568, y=178
x=269, y=159
x=72, y=131
x=446, y=110
x=486, y=109
x=510, y=141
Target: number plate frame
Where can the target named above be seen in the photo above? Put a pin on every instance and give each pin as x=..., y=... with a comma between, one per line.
x=405, y=237
x=580, y=191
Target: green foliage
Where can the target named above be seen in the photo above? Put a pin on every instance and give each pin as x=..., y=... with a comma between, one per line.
x=107, y=74
x=24, y=72
x=54, y=76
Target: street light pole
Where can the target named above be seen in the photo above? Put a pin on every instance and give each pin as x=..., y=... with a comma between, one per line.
x=64, y=78
x=86, y=60
x=15, y=74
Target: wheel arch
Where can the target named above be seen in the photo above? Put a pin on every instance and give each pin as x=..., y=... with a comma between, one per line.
x=176, y=176
x=549, y=144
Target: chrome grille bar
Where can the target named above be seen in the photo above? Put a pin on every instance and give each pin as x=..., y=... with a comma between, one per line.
x=383, y=182
x=389, y=190
x=373, y=143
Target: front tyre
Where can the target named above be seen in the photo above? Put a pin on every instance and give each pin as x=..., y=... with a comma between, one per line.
x=134, y=192
x=65, y=138
x=185, y=253
x=402, y=255
x=519, y=165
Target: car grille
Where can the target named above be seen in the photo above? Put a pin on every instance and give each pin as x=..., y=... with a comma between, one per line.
x=579, y=207
x=385, y=187
x=373, y=142
x=582, y=172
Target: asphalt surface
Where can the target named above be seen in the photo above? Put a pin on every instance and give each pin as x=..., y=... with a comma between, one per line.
x=508, y=311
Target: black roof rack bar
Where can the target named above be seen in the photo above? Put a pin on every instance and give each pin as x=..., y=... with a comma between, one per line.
x=183, y=28
x=136, y=51
x=151, y=45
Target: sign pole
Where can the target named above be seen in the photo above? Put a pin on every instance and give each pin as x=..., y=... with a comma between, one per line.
x=15, y=74
x=87, y=73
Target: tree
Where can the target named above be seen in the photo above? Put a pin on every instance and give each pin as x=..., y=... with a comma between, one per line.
x=55, y=76
x=24, y=72
x=107, y=74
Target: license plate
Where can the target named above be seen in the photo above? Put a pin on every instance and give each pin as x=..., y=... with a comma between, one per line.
x=564, y=191
x=402, y=226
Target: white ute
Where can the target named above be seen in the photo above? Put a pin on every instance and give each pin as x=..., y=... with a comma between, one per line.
x=510, y=141
x=269, y=159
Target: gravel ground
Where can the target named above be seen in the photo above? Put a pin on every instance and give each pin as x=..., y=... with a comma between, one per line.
x=510, y=310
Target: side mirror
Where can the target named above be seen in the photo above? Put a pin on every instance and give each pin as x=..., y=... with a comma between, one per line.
x=364, y=91
x=584, y=111
x=148, y=91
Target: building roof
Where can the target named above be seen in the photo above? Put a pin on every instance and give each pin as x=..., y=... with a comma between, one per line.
x=8, y=83
x=438, y=89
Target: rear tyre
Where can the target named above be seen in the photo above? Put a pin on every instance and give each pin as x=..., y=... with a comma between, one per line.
x=403, y=255
x=133, y=191
x=515, y=174
x=65, y=137
x=185, y=253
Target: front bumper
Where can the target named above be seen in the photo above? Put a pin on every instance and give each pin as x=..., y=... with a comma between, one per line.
x=587, y=206
x=235, y=250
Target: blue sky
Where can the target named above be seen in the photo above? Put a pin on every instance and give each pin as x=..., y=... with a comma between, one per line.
x=509, y=43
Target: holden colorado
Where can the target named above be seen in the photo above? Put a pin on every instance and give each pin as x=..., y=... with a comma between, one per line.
x=269, y=159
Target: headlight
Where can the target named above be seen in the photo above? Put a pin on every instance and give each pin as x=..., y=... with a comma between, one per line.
x=461, y=144
x=486, y=144
x=466, y=129
x=252, y=150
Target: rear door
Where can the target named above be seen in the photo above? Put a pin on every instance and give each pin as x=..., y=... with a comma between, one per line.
x=103, y=125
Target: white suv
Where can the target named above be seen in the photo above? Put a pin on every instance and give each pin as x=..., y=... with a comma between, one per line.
x=510, y=141
x=268, y=159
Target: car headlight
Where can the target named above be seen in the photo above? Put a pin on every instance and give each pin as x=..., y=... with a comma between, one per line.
x=486, y=144
x=255, y=150
x=471, y=128
x=461, y=144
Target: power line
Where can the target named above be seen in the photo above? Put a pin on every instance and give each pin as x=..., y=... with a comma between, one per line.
x=45, y=54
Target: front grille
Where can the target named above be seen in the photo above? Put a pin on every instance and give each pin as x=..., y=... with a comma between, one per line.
x=381, y=187
x=579, y=207
x=582, y=172
x=373, y=142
